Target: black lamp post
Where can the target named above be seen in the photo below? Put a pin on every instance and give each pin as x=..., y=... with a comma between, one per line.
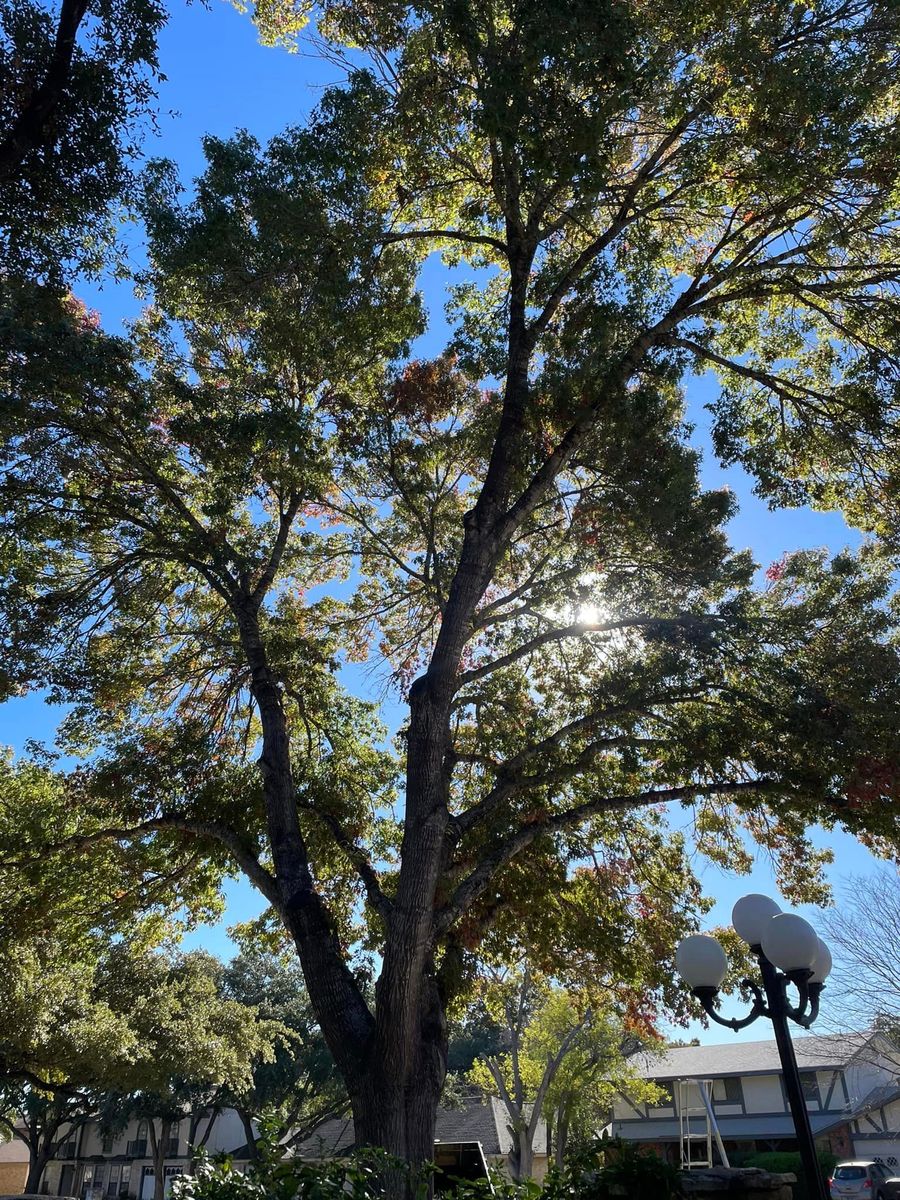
x=789, y=954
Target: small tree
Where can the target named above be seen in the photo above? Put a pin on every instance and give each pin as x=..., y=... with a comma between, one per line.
x=863, y=931
x=60, y=1044
x=562, y=1062
x=299, y=1084
x=189, y=1038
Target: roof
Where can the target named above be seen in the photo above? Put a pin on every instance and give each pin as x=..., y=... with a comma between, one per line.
x=878, y=1096
x=478, y=1119
x=13, y=1151
x=814, y=1052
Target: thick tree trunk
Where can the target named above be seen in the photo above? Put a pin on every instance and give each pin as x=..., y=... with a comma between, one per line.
x=396, y=1110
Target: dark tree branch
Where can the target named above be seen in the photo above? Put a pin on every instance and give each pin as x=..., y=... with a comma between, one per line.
x=357, y=856
x=30, y=129
x=246, y=859
x=450, y=235
x=577, y=629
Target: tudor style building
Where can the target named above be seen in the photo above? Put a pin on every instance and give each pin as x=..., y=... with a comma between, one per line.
x=96, y=1166
x=850, y=1081
x=90, y=1165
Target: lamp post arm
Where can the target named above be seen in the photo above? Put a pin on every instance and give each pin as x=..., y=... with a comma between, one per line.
x=797, y=1013
x=815, y=991
x=707, y=997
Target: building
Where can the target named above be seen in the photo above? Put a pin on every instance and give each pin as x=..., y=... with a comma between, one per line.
x=92, y=1166
x=13, y=1167
x=850, y=1082
x=88, y=1164
x=467, y=1139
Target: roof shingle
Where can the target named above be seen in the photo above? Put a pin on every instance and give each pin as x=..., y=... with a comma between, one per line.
x=816, y=1051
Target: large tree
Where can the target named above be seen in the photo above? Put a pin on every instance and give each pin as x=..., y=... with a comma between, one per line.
x=628, y=191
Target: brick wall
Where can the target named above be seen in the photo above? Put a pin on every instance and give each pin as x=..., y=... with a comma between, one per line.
x=840, y=1141
x=12, y=1178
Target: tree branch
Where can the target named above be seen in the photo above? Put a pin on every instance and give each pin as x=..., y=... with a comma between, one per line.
x=450, y=235
x=577, y=629
x=29, y=130
x=261, y=878
x=367, y=873
x=507, y=848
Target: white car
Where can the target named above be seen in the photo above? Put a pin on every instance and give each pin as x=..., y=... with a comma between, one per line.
x=860, y=1178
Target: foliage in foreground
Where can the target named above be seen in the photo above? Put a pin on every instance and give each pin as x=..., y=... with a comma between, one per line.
x=598, y=1172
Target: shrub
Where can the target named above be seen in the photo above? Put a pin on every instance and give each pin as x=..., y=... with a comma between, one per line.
x=609, y=1170
x=625, y=1168
x=788, y=1161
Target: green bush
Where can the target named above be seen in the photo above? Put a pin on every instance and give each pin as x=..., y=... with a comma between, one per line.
x=607, y=1171
x=611, y=1168
x=788, y=1161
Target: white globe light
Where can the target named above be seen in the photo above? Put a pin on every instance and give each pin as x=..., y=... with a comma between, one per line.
x=751, y=915
x=701, y=961
x=790, y=942
x=821, y=967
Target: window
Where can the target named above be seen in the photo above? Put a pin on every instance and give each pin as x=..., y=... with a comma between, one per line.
x=172, y=1141
x=727, y=1091
x=809, y=1081
x=108, y=1142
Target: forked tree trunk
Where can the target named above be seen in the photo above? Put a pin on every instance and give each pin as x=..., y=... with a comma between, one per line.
x=38, y=1157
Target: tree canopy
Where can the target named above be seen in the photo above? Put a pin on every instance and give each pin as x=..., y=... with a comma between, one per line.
x=107, y=1031
x=203, y=523
x=560, y=1063
x=76, y=86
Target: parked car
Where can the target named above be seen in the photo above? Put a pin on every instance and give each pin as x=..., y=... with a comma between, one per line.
x=863, y=1179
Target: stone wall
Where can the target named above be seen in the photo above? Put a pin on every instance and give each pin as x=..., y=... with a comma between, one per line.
x=748, y=1183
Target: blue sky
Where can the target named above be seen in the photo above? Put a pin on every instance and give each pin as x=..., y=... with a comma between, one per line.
x=218, y=79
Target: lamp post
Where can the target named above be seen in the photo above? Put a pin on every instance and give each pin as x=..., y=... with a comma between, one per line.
x=789, y=954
